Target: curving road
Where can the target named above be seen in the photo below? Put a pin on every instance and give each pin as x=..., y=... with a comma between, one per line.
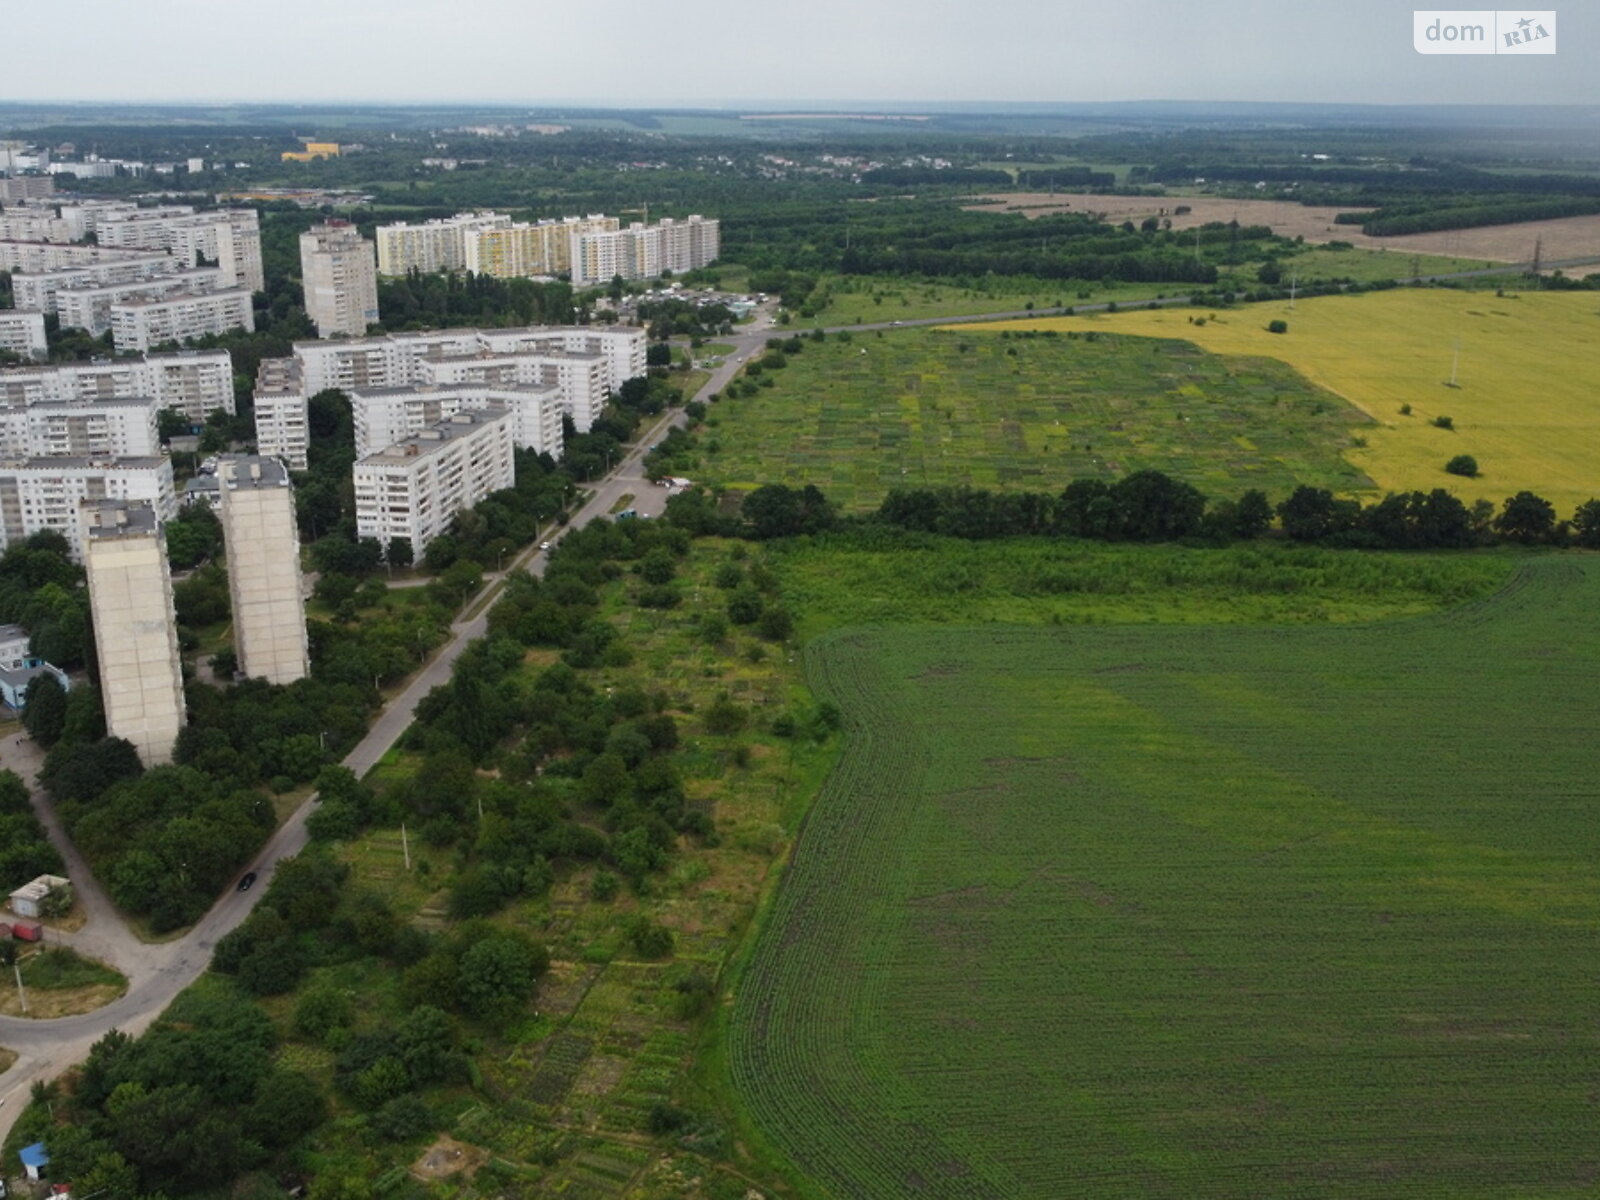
x=158, y=972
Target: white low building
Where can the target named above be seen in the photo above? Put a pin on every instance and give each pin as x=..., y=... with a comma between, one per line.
x=414, y=488
x=29, y=899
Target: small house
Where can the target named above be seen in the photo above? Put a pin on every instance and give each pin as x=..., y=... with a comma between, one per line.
x=34, y=1160
x=13, y=647
x=15, y=681
x=28, y=900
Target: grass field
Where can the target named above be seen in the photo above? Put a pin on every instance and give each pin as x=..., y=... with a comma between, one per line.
x=1197, y=912
x=915, y=407
x=842, y=581
x=867, y=300
x=1526, y=404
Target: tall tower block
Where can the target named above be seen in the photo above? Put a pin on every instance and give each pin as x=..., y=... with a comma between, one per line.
x=263, y=546
x=135, y=629
x=339, y=269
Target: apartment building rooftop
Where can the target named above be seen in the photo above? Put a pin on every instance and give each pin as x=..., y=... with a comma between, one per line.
x=120, y=518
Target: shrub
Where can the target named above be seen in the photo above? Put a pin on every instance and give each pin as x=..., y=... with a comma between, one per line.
x=1277, y=327
x=1463, y=464
x=1444, y=422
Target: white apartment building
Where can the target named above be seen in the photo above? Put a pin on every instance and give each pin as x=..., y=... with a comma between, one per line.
x=586, y=364
x=263, y=545
x=18, y=255
x=229, y=237
x=281, y=411
x=383, y=416
x=45, y=493
x=414, y=488
x=39, y=289
x=36, y=225
x=141, y=324
x=22, y=333
x=89, y=307
x=135, y=627
x=437, y=245
x=339, y=271
x=645, y=251
x=194, y=382
x=96, y=429
x=521, y=250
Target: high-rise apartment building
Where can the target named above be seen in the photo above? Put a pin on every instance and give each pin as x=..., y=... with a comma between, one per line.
x=194, y=382
x=141, y=324
x=645, y=251
x=46, y=493
x=521, y=251
x=438, y=245
x=414, y=488
x=339, y=271
x=135, y=629
x=98, y=429
x=263, y=546
x=282, y=414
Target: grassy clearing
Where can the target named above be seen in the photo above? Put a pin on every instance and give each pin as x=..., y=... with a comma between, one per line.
x=873, y=299
x=1524, y=405
x=7, y=1059
x=1213, y=912
x=1370, y=266
x=60, y=983
x=914, y=407
x=837, y=582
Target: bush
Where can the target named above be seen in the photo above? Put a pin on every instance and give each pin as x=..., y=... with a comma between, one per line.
x=1444, y=423
x=1463, y=464
x=1277, y=327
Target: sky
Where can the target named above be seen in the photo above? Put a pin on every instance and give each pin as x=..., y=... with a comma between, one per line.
x=837, y=52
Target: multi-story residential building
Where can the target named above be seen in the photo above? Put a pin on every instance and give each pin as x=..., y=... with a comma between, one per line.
x=39, y=289
x=229, y=238
x=135, y=628
x=14, y=189
x=644, y=251
x=438, y=245
x=281, y=410
x=339, y=271
x=263, y=545
x=383, y=416
x=520, y=251
x=586, y=364
x=45, y=493
x=194, y=382
x=22, y=333
x=18, y=255
x=141, y=324
x=97, y=429
x=89, y=307
x=414, y=488
x=36, y=225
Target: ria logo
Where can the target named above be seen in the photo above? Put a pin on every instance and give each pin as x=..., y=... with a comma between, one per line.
x=1483, y=31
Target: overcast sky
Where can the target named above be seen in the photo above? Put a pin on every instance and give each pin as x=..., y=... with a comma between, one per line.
x=698, y=51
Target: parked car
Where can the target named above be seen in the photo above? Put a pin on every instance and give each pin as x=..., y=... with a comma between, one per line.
x=248, y=881
x=28, y=931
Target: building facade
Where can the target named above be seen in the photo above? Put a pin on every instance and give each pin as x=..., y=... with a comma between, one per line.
x=339, y=270
x=194, y=382
x=141, y=324
x=414, y=488
x=437, y=245
x=282, y=411
x=89, y=306
x=22, y=333
x=135, y=628
x=645, y=251
x=46, y=493
x=521, y=251
x=263, y=546
x=115, y=428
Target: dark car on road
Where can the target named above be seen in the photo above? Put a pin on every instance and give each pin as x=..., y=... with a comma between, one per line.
x=248, y=880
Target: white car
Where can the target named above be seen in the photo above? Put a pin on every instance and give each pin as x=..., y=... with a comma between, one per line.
x=544, y=545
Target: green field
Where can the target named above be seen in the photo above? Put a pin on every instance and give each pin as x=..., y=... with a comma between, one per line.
x=914, y=407
x=871, y=299
x=1197, y=912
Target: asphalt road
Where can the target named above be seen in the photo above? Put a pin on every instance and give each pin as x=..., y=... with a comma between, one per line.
x=158, y=972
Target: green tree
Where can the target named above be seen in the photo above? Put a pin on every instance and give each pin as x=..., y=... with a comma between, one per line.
x=497, y=975
x=1526, y=518
x=1586, y=523
x=1463, y=464
x=44, y=714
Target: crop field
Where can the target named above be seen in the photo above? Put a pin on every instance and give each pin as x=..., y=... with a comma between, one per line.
x=914, y=407
x=1176, y=912
x=1526, y=403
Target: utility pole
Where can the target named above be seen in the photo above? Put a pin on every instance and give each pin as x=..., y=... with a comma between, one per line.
x=405, y=846
x=16, y=965
x=1538, y=257
x=1455, y=361
x=1293, y=281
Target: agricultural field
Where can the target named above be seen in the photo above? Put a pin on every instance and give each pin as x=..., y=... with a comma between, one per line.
x=874, y=299
x=914, y=407
x=1216, y=911
x=1526, y=403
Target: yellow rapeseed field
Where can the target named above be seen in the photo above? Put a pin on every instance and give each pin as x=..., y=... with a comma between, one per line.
x=1526, y=403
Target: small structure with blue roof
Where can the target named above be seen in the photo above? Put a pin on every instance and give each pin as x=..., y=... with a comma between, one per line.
x=35, y=1159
